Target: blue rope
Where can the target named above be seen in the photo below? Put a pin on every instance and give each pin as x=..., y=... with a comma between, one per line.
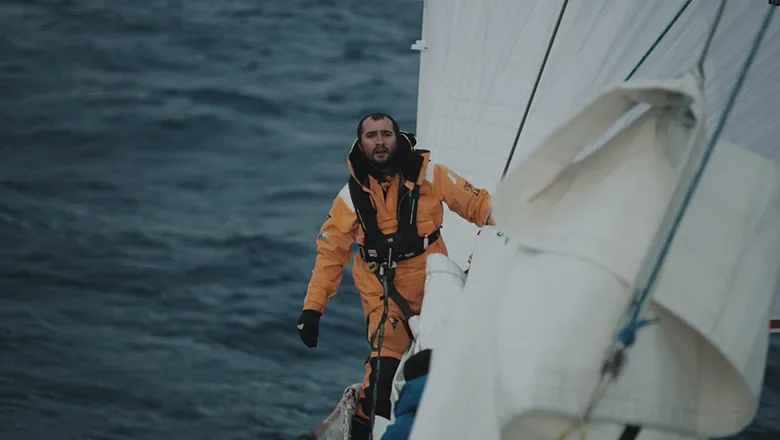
x=658, y=40
x=627, y=336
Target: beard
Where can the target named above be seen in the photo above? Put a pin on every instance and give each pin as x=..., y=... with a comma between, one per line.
x=381, y=157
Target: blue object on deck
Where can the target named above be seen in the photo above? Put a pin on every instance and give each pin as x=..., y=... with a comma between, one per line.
x=405, y=410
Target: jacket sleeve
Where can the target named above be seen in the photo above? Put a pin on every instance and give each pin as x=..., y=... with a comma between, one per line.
x=463, y=198
x=334, y=243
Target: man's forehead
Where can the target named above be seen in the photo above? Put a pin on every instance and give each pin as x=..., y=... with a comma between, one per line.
x=382, y=124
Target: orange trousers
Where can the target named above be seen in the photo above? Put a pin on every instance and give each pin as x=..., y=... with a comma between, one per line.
x=410, y=284
x=395, y=342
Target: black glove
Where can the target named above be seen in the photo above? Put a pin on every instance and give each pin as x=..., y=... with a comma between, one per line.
x=309, y=327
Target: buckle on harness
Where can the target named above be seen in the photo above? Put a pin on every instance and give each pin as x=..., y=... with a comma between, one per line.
x=373, y=266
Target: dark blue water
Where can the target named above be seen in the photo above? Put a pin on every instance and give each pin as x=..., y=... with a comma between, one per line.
x=164, y=168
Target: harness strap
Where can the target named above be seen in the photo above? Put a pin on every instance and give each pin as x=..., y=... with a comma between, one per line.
x=401, y=302
x=386, y=278
x=393, y=294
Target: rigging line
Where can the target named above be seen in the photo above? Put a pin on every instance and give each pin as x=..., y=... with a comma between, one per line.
x=628, y=332
x=382, y=321
x=531, y=98
x=533, y=91
x=658, y=40
x=710, y=37
x=631, y=74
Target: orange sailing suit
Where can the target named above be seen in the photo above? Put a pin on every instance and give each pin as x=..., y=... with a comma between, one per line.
x=432, y=184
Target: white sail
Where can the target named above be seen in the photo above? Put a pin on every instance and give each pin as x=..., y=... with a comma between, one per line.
x=526, y=340
x=479, y=62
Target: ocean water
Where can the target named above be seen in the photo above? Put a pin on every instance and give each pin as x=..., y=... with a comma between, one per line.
x=164, y=168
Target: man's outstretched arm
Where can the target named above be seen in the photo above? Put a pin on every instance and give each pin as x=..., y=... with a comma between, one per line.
x=463, y=198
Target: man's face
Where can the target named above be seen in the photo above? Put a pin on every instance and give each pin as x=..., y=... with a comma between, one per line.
x=378, y=141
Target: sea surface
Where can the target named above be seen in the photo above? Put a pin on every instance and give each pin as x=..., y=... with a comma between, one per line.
x=164, y=168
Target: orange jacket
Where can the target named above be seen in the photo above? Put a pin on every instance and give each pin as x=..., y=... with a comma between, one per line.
x=341, y=229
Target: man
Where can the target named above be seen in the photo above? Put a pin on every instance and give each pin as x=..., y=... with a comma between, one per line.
x=392, y=206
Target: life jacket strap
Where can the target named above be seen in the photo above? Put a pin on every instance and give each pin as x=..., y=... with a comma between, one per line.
x=412, y=247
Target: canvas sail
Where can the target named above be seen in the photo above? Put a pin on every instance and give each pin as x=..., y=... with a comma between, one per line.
x=479, y=62
x=474, y=87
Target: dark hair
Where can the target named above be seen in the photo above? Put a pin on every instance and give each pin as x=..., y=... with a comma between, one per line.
x=376, y=117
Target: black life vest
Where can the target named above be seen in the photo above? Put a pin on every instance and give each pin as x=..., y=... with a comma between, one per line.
x=405, y=243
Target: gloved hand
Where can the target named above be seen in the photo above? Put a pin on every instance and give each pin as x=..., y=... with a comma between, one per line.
x=309, y=327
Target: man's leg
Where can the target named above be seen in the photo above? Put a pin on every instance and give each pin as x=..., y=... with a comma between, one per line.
x=396, y=341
